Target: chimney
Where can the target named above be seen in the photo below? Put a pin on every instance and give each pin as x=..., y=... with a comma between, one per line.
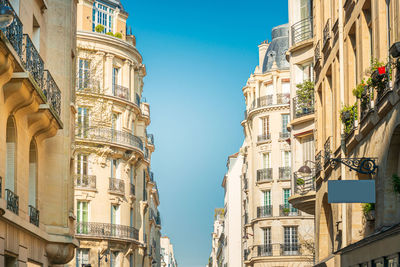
x=262, y=49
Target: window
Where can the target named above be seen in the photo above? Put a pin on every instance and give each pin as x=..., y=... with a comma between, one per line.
x=132, y=174
x=131, y=218
x=115, y=218
x=307, y=72
x=267, y=236
x=15, y=5
x=83, y=121
x=130, y=260
x=285, y=88
x=307, y=144
x=10, y=261
x=285, y=121
x=115, y=121
x=290, y=246
x=264, y=126
x=116, y=79
x=84, y=74
x=305, y=9
x=11, y=154
x=113, y=259
x=82, y=217
x=36, y=34
x=266, y=198
x=286, y=195
x=266, y=160
x=103, y=15
x=286, y=158
x=32, y=174
x=133, y=127
x=82, y=256
x=114, y=167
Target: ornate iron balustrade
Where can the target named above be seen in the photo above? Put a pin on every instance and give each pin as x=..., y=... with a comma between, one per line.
x=366, y=102
x=318, y=162
x=327, y=150
x=12, y=201
x=282, y=99
x=52, y=92
x=264, y=137
x=264, y=211
x=285, y=173
x=264, y=174
x=327, y=32
x=110, y=135
x=264, y=250
x=302, y=30
x=85, y=181
x=132, y=189
x=33, y=215
x=317, y=52
x=14, y=31
x=246, y=254
x=121, y=91
x=304, y=184
x=265, y=101
x=284, y=135
x=288, y=210
x=158, y=218
x=33, y=63
x=303, y=107
x=289, y=249
x=117, y=186
x=107, y=230
x=150, y=139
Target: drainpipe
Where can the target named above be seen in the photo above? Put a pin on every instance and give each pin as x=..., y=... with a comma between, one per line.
x=341, y=96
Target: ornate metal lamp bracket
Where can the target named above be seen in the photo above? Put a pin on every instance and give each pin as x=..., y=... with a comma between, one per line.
x=360, y=165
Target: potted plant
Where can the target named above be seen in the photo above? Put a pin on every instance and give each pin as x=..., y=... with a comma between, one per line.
x=286, y=211
x=110, y=34
x=349, y=117
x=300, y=181
x=369, y=211
x=99, y=28
x=118, y=35
x=396, y=183
x=305, y=96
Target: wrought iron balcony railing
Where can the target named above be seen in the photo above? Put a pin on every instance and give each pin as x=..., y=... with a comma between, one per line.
x=33, y=215
x=85, y=181
x=137, y=99
x=290, y=249
x=132, y=189
x=284, y=135
x=264, y=211
x=288, y=210
x=302, y=30
x=14, y=31
x=33, y=63
x=264, y=250
x=282, y=99
x=303, y=107
x=327, y=150
x=318, y=162
x=317, y=52
x=52, y=92
x=150, y=139
x=264, y=137
x=12, y=201
x=117, y=186
x=246, y=254
x=158, y=218
x=285, y=173
x=327, y=32
x=303, y=184
x=264, y=174
x=121, y=91
x=109, y=135
x=106, y=230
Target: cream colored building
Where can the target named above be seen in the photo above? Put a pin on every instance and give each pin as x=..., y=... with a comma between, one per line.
x=217, y=239
x=37, y=125
x=274, y=232
x=116, y=197
x=167, y=253
x=346, y=40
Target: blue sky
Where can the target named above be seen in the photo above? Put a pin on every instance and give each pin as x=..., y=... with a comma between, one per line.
x=198, y=55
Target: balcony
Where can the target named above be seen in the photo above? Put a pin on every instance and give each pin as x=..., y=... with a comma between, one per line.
x=12, y=201
x=284, y=135
x=120, y=91
x=327, y=32
x=264, y=250
x=84, y=181
x=288, y=210
x=327, y=151
x=264, y=175
x=109, y=135
x=106, y=231
x=304, y=193
x=302, y=30
x=285, y=173
x=150, y=139
x=264, y=211
x=282, y=99
x=264, y=137
x=302, y=107
x=33, y=215
x=116, y=186
x=246, y=254
x=246, y=218
x=317, y=52
x=269, y=250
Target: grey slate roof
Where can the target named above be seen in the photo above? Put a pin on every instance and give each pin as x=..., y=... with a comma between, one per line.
x=277, y=48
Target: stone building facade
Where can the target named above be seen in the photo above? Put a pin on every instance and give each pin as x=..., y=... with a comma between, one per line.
x=37, y=58
x=167, y=253
x=274, y=233
x=357, y=117
x=116, y=196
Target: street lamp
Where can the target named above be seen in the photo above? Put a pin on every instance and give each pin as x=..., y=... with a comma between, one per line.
x=395, y=50
x=6, y=16
x=305, y=169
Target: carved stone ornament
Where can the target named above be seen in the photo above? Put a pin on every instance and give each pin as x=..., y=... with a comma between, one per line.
x=60, y=253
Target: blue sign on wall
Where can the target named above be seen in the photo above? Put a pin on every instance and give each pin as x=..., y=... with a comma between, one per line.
x=351, y=191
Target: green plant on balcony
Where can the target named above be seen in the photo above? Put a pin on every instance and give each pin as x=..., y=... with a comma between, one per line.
x=361, y=92
x=381, y=74
x=348, y=116
x=300, y=181
x=99, y=28
x=110, y=34
x=305, y=95
x=118, y=35
x=368, y=211
x=396, y=183
x=286, y=211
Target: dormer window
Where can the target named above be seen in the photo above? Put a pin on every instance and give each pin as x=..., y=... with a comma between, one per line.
x=103, y=15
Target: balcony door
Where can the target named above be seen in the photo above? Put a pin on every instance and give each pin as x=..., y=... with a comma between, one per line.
x=290, y=246
x=82, y=170
x=266, y=198
x=83, y=74
x=116, y=79
x=286, y=162
x=82, y=217
x=266, y=160
x=83, y=121
x=267, y=241
x=264, y=127
x=305, y=9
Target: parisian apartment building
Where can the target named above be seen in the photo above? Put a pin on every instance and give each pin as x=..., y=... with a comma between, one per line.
x=355, y=49
x=37, y=118
x=167, y=253
x=116, y=197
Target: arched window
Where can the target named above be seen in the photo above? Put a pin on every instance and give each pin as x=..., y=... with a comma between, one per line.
x=11, y=140
x=32, y=174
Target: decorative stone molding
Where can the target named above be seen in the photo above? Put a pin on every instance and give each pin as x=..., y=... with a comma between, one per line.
x=59, y=253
